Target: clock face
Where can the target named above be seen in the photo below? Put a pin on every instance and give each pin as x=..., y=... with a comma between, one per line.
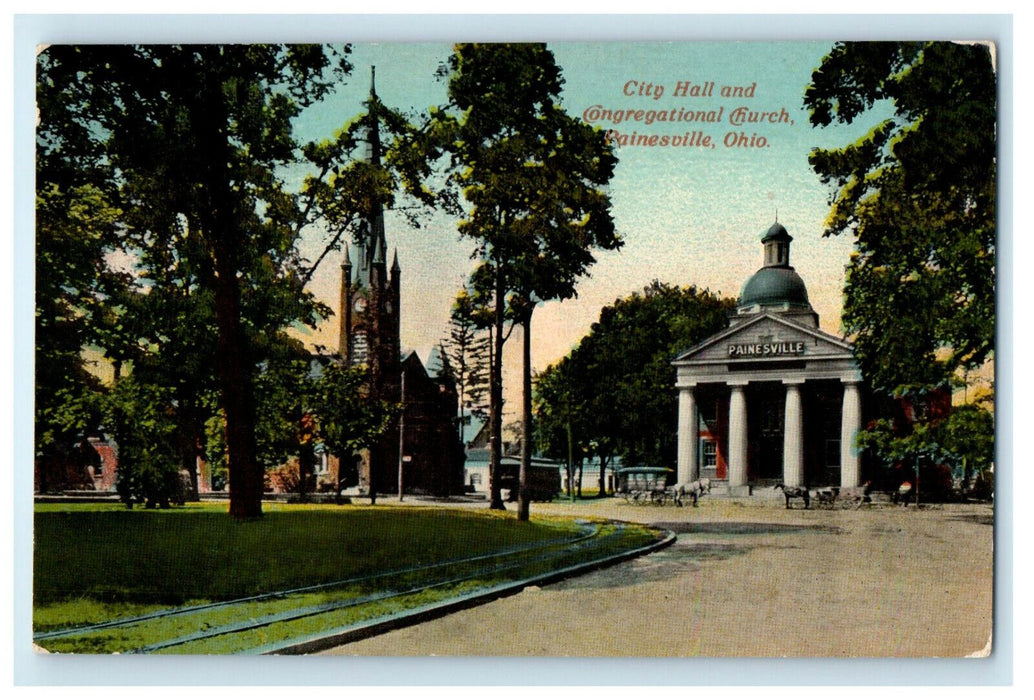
x=360, y=305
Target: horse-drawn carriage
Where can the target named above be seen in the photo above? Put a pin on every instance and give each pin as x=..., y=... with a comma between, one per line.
x=644, y=484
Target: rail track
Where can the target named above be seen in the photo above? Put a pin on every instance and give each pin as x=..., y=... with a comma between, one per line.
x=183, y=629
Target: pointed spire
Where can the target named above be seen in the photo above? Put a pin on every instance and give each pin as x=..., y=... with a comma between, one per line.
x=373, y=131
x=395, y=261
x=347, y=261
x=378, y=249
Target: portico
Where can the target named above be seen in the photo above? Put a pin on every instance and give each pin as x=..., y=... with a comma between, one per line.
x=773, y=397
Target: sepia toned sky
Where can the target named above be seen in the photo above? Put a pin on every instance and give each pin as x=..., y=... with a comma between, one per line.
x=688, y=214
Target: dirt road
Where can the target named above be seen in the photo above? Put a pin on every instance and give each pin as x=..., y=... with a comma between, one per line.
x=748, y=579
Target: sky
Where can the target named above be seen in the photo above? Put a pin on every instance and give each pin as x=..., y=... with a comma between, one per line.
x=688, y=214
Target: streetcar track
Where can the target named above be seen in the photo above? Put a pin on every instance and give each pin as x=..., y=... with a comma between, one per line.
x=590, y=530
x=312, y=611
x=337, y=636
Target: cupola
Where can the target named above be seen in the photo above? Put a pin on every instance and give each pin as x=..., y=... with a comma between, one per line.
x=776, y=287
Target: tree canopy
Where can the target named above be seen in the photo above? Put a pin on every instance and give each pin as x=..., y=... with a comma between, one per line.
x=616, y=389
x=168, y=229
x=532, y=177
x=918, y=194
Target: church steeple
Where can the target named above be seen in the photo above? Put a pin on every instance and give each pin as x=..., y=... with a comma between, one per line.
x=373, y=136
x=370, y=311
x=372, y=244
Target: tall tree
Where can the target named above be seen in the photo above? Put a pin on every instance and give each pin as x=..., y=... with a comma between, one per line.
x=616, y=387
x=307, y=400
x=917, y=192
x=533, y=178
x=347, y=418
x=198, y=137
x=559, y=421
x=467, y=352
x=141, y=415
x=76, y=223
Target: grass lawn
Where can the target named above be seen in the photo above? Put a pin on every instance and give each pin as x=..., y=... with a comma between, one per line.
x=95, y=563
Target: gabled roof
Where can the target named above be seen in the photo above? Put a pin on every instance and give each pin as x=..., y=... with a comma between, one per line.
x=474, y=425
x=411, y=358
x=435, y=362
x=734, y=331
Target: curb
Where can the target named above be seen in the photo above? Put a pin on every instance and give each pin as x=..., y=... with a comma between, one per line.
x=386, y=623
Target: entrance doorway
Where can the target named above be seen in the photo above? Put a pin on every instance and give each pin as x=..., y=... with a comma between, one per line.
x=767, y=459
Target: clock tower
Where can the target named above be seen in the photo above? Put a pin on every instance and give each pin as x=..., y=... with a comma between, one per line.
x=369, y=318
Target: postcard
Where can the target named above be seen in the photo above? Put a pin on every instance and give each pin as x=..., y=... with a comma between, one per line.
x=567, y=349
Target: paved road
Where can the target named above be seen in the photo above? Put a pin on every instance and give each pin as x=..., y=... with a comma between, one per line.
x=747, y=579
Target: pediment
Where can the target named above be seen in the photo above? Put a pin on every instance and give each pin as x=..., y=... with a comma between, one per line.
x=766, y=338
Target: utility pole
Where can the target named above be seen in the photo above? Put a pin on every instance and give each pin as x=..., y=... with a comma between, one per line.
x=570, y=457
x=402, y=428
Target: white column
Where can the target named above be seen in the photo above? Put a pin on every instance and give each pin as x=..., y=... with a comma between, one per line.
x=850, y=422
x=793, y=437
x=738, y=436
x=687, y=470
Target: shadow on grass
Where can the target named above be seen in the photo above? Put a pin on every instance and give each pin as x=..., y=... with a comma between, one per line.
x=112, y=555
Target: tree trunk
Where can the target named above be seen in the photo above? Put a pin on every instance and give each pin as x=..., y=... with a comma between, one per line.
x=917, y=483
x=523, y=503
x=603, y=478
x=402, y=439
x=235, y=373
x=570, y=460
x=372, y=486
x=189, y=429
x=306, y=464
x=245, y=473
x=221, y=228
x=496, y=399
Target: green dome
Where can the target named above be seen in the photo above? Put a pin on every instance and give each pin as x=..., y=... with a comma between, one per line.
x=775, y=286
x=776, y=232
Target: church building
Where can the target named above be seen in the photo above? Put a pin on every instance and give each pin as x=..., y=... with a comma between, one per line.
x=772, y=398
x=369, y=336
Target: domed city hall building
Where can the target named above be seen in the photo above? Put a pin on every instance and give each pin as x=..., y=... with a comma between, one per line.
x=771, y=398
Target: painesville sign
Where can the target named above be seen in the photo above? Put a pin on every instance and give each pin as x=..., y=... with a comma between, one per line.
x=766, y=349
